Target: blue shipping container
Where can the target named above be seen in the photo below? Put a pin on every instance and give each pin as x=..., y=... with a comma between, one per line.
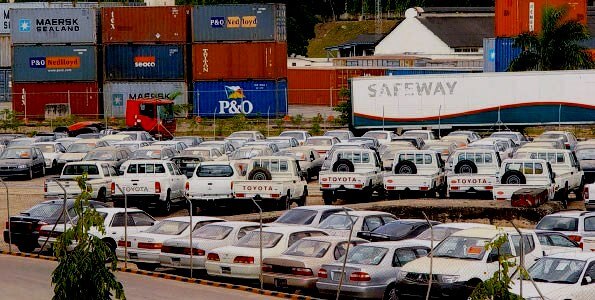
x=5, y=85
x=144, y=62
x=252, y=98
x=54, y=63
x=498, y=54
x=428, y=71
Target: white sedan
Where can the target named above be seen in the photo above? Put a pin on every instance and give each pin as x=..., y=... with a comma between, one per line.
x=338, y=224
x=144, y=247
x=242, y=260
x=310, y=215
x=175, y=253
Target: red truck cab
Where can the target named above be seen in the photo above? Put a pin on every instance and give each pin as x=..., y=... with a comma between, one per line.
x=155, y=116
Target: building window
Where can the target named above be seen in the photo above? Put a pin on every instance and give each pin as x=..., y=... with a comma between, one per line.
x=466, y=50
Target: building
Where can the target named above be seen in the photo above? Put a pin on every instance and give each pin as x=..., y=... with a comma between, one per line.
x=362, y=45
x=301, y=61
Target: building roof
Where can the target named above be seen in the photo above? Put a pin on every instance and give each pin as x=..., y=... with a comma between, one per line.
x=366, y=39
x=458, y=32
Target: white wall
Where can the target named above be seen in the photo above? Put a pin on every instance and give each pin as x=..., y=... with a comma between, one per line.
x=160, y=2
x=308, y=62
x=411, y=36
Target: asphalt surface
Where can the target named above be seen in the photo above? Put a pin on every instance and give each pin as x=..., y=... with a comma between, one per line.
x=27, y=278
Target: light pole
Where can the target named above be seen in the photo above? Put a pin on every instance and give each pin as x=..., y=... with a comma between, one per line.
x=8, y=215
x=260, y=239
x=125, y=225
x=346, y=253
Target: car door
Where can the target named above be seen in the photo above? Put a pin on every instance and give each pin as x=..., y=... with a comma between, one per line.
x=38, y=160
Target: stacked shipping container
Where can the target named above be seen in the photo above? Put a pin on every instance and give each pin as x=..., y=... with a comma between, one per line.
x=243, y=47
x=145, y=55
x=55, y=62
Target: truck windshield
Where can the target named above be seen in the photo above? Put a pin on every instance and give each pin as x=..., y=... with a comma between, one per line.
x=245, y=154
x=80, y=169
x=461, y=247
x=274, y=166
x=166, y=112
x=214, y=171
x=16, y=153
x=145, y=169
x=355, y=157
x=556, y=223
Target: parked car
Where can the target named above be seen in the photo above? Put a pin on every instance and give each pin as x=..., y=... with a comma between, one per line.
x=131, y=145
x=341, y=134
x=298, y=266
x=586, y=159
x=206, y=152
x=589, y=196
x=77, y=150
x=187, y=163
x=238, y=142
x=225, y=147
x=144, y=247
x=178, y=146
x=402, y=229
x=309, y=160
x=426, y=135
x=371, y=142
x=370, y=271
x=211, y=184
x=67, y=141
x=516, y=174
x=518, y=138
x=416, y=171
x=418, y=142
x=266, y=143
x=311, y=215
x=472, y=171
x=322, y=144
x=576, y=225
x=339, y=224
x=23, y=142
x=460, y=140
x=502, y=147
x=255, y=135
x=300, y=135
x=90, y=136
x=242, y=259
x=138, y=135
x=284, y=142
x=567, y=138
x=382, y=136
x=154, y=152
x=544, y=144
x=100, y=176
x=555, y=242
x=24, y=227
x=175, y=253
x=24, y=161
x=241, y=157
x=114, y=156
x=473, y=136
x=190, y=141
x=51, y=153
x=388, y=151
x=435, y=235
x=445, y=148
x=115, y=138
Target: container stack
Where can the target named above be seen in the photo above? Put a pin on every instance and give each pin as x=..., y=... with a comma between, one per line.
x=239, y=60
x=145, y=55
x=54, y=63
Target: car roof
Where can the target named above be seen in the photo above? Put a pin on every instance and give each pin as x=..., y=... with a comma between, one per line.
x=460, y=225
x=289, y=229
x=156, y=147
x=238, y=223
x=574, y=255
x=333, y=239
x=194, y=219
x=321, y=207
x=109, y=148
x=365, y=213
x=113, y=210
x=300, y=131
x=396, y=244
x=87, y=162
x=322, y=137
x=217, y=163
x=572, y=213
x=200, y=148
x=487, y=233
x=534, y=149
x=273, y=157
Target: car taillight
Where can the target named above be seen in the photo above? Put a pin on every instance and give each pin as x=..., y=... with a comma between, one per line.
x=231, y=185
x=122, y=243
x=213, y=257
x=7, y=224
x=301, y=272
x=267, y=268
x=322, y=273
x=358, y=186
x=197, y=252
x=489, y=187
x=243, y=260
x=113, y=187
x=39, y=225
x=586, y=193
x=149, y=245
x=454, y=188
x=567, y=145
x=157, y=187
x=166, y=249
x=240, y=195
x=359, y=276
x=326, y=185
x=424, y=188
x=187, y=186
x=45, y=186
x=275, y=195
x=390, y=187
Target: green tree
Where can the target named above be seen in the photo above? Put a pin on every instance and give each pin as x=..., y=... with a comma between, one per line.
x=82, y=272
x=344, y=108
x=556, y=47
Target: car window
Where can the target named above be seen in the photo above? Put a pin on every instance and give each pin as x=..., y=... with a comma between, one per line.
x=591, y=270
x=327, y=213
x=142, y=219
x=403, y=256
x=590, y=224
x=557, y=223
x=560, y=241
x=170, y=168
x=528, y=244
x=503, y=250
x=244, y=230
x=105, y=170
x=388, y=219
x=340, y=250
x=118, y=220
x=371, y=223
x=294, y=237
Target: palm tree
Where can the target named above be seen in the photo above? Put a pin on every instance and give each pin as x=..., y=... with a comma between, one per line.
x=556, y=47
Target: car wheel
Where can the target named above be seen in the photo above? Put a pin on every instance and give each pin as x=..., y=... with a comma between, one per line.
x=26, y=248
x=390, y=293
x=146, y=267
x=31, y=173
x=43, y=171
x=111, y=244
x=328, y=197
x=102, y=195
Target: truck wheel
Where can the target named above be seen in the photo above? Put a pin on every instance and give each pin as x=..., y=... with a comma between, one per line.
x=578, y=192
x=102, y=195
x=442, y=192
x=260, y=174
x=343, y=165
x=303, y=198
x=513, y=177
x=146, y=267
x=366, y=195
x=167, y=204
x=390, y=293
x=26, y=248
x=466, y=167
x=405, y=167
x=328, y=197
x=111, y=244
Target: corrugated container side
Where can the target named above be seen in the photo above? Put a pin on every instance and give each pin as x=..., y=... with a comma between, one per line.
x=428, y=71
x=54, y=63
x=83, y=98
x=115, y=94
x=5, y=13
x=489, y=55
x=144, y=62
x=54, y=26
x=239, y=61
x=252, y=98
x=239, y=22
x=160, y=24
x=309, y=86
x=5, y=53
x=5, y=85
x=505, y=53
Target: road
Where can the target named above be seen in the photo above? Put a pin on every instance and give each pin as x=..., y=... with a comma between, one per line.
x=27, y=278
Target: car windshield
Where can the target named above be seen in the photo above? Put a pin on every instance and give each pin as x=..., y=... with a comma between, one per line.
x=366, y=255
x=459, y=133
x=338, y=221
x=296, y=135
x=338, y=134
x=214, y=171
x=558, y=223
x=308, y=248
x=80, y=148
x=45, y=210
x=420, y=135
x=46, y=148
x=146, y=154
x=245, y=153
x=25, y=142
x=557, y=270
x=212, y=232
x=461, y=247
x=297, y=217
x=438, y=234
x=80, y=170
x=202, y=153
x=395, y=229
x=132, y=135
x=16, y=153
x=552, y=136
x=319, y=142
x=298, y=155
x=168, y=227
x=246, y=135
x=511, y=136
x=376, y=135
x=252, y=239
x=586, y=154
x=99, y=155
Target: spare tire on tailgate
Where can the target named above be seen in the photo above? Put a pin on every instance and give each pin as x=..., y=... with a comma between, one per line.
x=465, y=167
x=343, y=165
x=513, y=177
x=405, y=167
x=260, y=174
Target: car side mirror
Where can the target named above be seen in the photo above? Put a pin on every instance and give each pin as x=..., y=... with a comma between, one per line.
x=587, y=280
x=493, y=257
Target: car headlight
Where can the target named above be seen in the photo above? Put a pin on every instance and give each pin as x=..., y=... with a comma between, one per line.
x=448, y=278
x=22, y=166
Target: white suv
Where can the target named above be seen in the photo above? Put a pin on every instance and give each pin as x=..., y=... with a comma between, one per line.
x=577, y=225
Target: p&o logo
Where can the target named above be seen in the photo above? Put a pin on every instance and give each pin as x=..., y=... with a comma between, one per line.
x=24, y=25
x=236, y=102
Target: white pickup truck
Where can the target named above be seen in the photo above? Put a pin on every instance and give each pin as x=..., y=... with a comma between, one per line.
x=100, y=177
x=568, y=173
x=211, y=184
x=150, y=183
x=516, y=174
x=472, y=171
x=355, y=174
x=277, y=180
x=416, y=171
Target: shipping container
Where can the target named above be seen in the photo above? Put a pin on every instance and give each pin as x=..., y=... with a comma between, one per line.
x=81, y=99
x=254, y=98
x=429, y=71
x=5, y=13
x=54, y=26
x=5, y=53
x=5, y=85
x=54, y=63
x=498, y=53
x=474, y=100
x=144, y=62
x=239, y=61
x=513, y=17
x=239, y=22
x=161, y=24
x=115, y=94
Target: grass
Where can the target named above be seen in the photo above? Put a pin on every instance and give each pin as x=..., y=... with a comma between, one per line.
x=334, y=33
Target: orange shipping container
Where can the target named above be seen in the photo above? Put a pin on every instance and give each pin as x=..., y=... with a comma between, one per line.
x=239, y=61
x=514, y=17
x=167, y=24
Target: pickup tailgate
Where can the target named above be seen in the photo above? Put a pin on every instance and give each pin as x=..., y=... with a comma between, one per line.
x=52, y=187
x=262, y=188
x=337, y=180
x=145, y=185
x=210, y=188
x=413, y=182
x=477, y=182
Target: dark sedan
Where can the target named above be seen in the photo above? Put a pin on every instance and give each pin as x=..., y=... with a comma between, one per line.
x=22, y=161
x=25, y=227
x=116, y=156
x=398, y=230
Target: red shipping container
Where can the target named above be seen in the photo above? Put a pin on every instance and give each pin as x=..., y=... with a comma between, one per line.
x=81, y=97
x=514, y=17
x=239, y=61
x=167, y=24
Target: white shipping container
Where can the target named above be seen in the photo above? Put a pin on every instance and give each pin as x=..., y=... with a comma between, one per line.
x=474, y=99
x=5, y=53
x=5, y=13
x=115, y=94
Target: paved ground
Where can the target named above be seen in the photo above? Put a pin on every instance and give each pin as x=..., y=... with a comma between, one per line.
x=27, y=278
